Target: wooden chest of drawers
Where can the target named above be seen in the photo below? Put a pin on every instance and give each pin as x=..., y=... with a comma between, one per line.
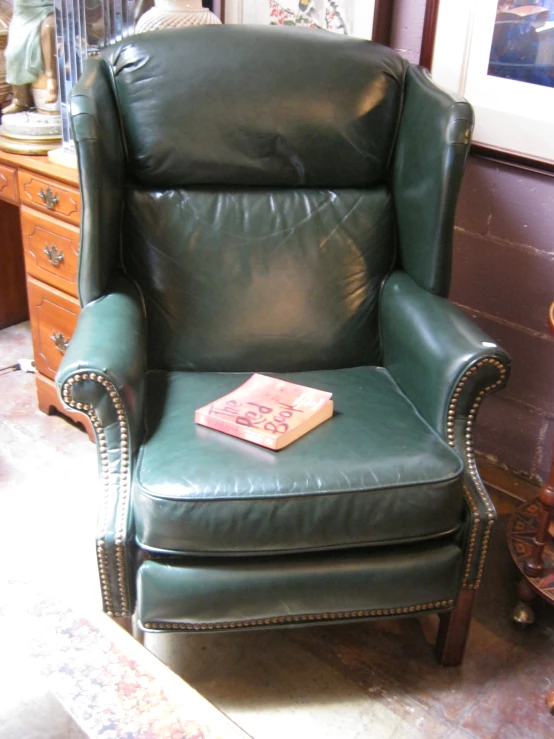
x=50, y=197
x=47, y=204
x=8, y=183
x=53, y=319
x=13, y=302
x=51, y=250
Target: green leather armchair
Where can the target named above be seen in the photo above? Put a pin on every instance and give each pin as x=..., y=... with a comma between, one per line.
x=282, y=201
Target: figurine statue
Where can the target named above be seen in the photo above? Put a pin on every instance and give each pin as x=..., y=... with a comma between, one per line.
x=31, y=52
x=5, y=89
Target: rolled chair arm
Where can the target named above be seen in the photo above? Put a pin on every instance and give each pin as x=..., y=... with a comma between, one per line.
x=446, y=365
x=103, y=375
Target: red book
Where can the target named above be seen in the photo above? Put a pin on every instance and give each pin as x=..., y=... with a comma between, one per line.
x=269, y=412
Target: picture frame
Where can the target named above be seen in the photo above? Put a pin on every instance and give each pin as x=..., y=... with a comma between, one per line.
x=370, y=19
x=514, y=118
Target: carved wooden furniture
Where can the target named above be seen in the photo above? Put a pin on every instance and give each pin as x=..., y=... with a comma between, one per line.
x=524, y=538
x=41, y=210
x=13, y=301
x=532, y=547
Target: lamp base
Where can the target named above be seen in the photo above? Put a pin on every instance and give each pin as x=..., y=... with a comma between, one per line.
x=22, y=146
x=156, y=18
x=30, y=132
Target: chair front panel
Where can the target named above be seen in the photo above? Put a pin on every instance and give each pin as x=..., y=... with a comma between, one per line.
x=245, y=280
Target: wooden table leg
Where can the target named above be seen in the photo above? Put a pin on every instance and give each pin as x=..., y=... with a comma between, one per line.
x=532, y=548
x=534, y=566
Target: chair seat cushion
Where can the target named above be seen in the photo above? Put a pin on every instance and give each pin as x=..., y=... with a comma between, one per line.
x=374, y=474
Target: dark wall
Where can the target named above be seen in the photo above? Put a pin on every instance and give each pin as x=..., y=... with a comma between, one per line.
x=214, y=5
x=503, y=276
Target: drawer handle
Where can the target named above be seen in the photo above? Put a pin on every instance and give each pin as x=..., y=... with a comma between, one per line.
x=60, y=341
x=54, y=256
x=49, y=198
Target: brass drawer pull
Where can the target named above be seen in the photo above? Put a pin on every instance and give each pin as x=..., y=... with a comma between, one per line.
x=60, y=341
x=49, y=198
x=55, y=257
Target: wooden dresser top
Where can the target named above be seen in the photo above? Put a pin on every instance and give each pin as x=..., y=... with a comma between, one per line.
x=41, y=165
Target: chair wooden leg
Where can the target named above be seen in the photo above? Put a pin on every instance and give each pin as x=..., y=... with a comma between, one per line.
x=138, y=633
x=130, y=625
x=453, y=631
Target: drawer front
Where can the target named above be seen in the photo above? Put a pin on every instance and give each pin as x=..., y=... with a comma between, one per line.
x=53, y=319
x=8, y=184
x=51, y=249
x=49, y=196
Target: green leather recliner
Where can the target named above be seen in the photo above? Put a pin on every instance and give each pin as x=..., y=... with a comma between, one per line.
x=281, y=201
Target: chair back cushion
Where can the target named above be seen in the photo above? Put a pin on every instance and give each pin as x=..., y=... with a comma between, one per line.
x=258, y=220
x=267, y=280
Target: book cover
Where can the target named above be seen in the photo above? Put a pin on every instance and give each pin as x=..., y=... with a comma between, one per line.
x=266, y=411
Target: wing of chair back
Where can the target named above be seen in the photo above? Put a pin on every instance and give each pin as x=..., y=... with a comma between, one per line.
x=145, y=131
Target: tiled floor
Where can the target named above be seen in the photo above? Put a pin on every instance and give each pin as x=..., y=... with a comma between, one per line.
x=343, y=682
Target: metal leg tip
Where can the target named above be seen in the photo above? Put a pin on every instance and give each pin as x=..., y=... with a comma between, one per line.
x=523, y=616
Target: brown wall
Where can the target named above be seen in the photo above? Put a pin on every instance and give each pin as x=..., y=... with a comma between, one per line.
x=503, y=276
x=407, y=28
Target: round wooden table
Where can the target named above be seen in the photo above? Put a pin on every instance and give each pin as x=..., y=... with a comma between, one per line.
x=531, y=545
x=522, y=533
x=522, y=530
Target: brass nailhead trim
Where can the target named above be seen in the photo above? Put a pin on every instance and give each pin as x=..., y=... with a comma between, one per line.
x=472, y=464
x=170, y=625
x=106, y=481
x=472, y=537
